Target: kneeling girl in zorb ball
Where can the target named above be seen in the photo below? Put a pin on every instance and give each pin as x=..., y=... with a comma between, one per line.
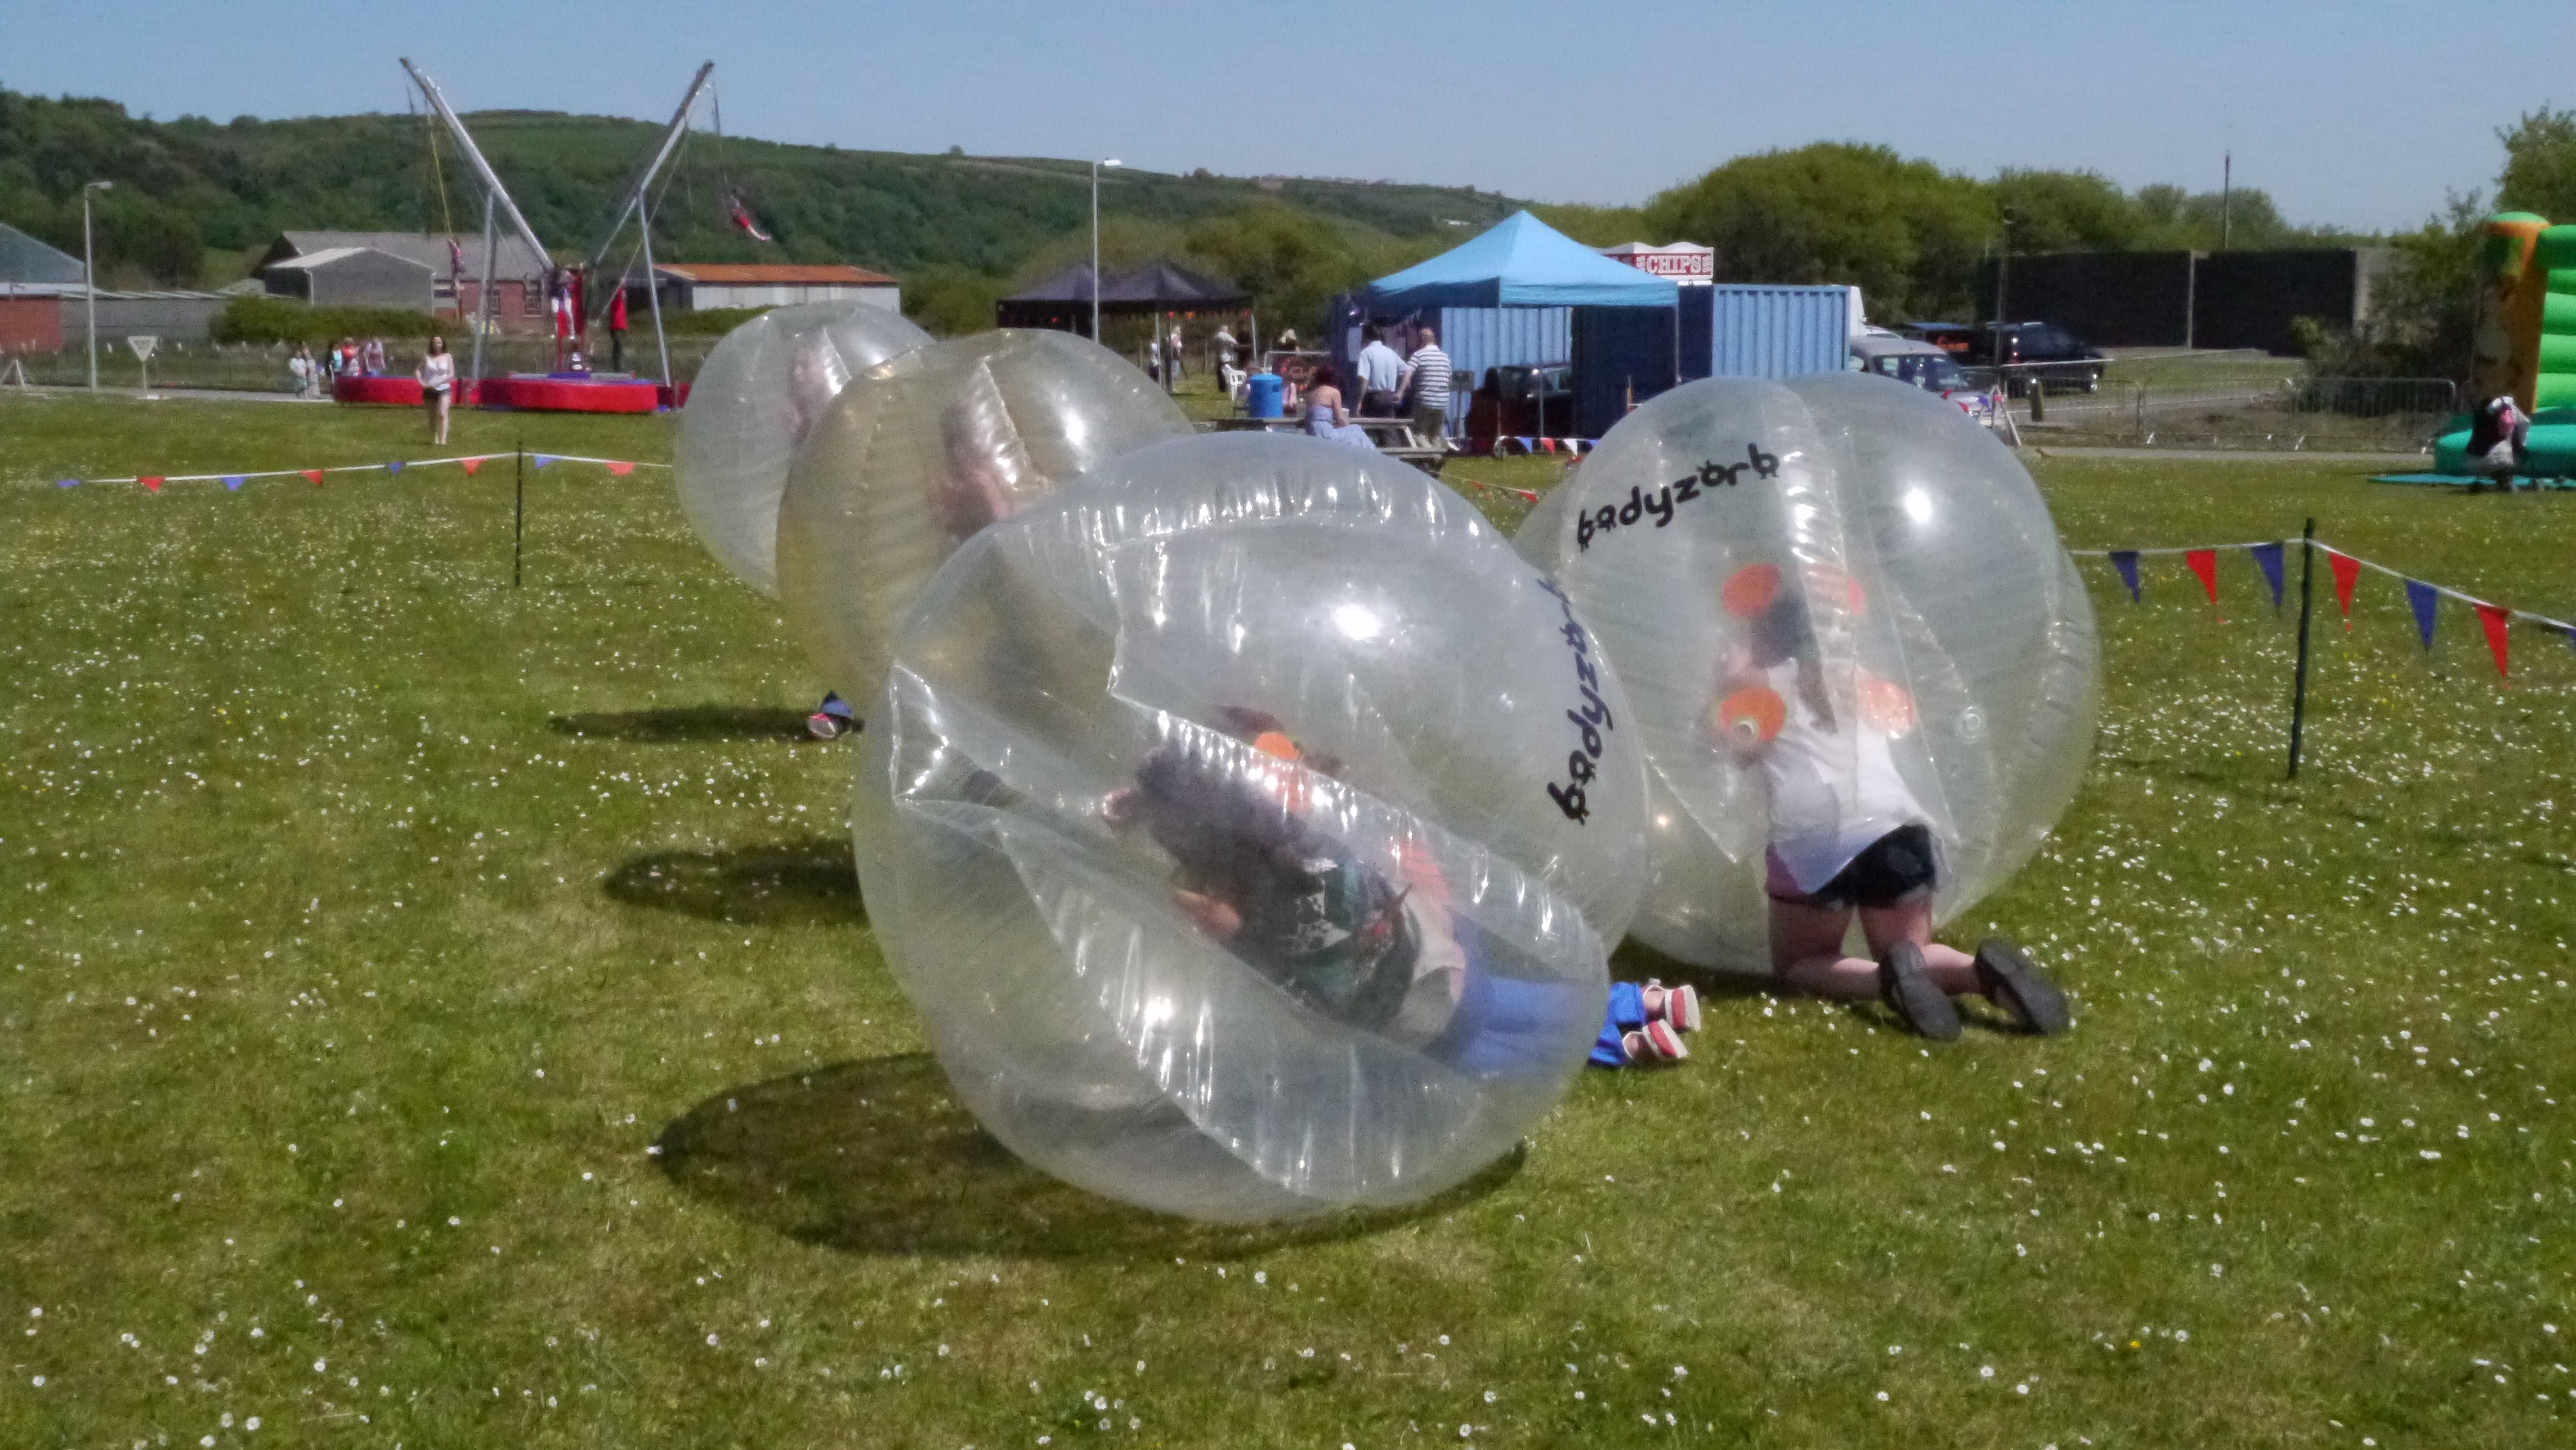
x=1861, y=668
x=1220, y=814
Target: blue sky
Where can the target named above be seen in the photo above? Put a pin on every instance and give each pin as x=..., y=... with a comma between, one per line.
x=2359, y=113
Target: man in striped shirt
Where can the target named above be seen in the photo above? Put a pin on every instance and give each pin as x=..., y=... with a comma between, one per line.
x=1426, y=385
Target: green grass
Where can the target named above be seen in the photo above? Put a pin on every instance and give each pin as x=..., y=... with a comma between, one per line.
x=366, y=924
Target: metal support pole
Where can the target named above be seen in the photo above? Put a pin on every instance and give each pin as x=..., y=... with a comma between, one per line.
x=1095, y=251
x=483, y=301
x=653, y=290
x=518, y=507
x=89, y=290
x=2307, y=600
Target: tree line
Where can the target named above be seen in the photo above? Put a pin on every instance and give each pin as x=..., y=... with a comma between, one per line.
x=196, y=200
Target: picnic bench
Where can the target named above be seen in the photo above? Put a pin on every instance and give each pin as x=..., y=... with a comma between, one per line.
x=1395, y=437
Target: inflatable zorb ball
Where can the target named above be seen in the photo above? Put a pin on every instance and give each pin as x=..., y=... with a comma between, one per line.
x=1234, y=817
x=760, y=392
x=1839, y=607
x=921, y=454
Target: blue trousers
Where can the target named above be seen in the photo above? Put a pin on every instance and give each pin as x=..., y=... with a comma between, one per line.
x=1505, y=1026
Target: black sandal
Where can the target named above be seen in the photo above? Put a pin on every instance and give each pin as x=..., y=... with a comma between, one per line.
x=1908, y=989
x=2012, y=982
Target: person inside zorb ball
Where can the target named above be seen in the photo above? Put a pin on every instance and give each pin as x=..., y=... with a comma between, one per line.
x=1862, y=671
x=1206, y=816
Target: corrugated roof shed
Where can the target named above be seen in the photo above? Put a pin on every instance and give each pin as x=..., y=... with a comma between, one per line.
x=24, y=259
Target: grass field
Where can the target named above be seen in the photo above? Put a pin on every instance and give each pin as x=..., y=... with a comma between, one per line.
x=436, y=1013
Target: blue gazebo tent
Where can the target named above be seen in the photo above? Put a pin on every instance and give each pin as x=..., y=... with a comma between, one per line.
x=1521, y=262
x=1524, y=293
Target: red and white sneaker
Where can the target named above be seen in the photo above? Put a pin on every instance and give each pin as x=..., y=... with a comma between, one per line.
x=1654, y=1043
x=1676, y=1005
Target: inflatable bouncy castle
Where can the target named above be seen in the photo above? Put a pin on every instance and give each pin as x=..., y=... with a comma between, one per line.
x=2526, y=343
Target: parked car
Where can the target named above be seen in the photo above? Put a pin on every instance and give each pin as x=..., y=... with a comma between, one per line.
x=2062, y=361
x=1927, y=366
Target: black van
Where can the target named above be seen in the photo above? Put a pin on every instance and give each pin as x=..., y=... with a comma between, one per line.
x=2062, y=362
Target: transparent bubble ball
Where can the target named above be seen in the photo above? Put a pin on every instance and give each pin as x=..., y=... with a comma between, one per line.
x=759, y=393
x=1948, y=648
x=928, y=449
x=1315, y=688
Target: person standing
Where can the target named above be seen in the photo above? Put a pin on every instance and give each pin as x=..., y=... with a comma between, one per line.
x=617, y=330
x=437, y=374
x=371, y=357
x=1380, y=372
x=1426, y=385
x=1221, y=347
x=300, y=368
x=1174, y=353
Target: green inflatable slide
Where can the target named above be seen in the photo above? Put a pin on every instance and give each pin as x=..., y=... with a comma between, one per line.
x=2526, y=344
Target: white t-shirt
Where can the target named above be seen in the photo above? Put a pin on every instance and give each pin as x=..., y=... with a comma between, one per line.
x=438, y=372
x=1834, y=789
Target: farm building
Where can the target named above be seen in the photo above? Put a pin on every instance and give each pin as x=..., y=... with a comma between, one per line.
x=24, y=259
x=352, y=277
x=705, y=286
x=518, y=273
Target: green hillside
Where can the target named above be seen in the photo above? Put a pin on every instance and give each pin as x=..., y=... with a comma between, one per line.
x=195, y=200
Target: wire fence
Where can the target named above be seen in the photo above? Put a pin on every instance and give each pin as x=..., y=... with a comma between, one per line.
x=2289, y=412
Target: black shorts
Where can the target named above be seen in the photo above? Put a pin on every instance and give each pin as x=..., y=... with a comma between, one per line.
x=1897, y=868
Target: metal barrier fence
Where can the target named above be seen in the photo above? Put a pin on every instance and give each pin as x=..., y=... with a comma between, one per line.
x=2286, y=412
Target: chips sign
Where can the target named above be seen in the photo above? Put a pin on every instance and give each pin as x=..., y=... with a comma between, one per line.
x=1692, y=266
x=143, y=344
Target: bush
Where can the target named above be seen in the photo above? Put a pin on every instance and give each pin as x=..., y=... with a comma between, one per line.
x=709, y=322
x=280, y=319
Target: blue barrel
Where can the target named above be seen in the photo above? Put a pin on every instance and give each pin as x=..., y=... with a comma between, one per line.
x=1266, y=396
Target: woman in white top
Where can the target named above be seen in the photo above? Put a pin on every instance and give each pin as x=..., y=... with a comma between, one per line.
x=1846, y=832
x=437, y=374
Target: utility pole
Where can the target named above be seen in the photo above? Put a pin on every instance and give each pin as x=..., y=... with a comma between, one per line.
x=89, y=279
x=2226, y=196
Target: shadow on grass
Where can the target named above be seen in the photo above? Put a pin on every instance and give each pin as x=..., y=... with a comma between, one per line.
x=688, y=723
x=876, y=1157
x=814, y=880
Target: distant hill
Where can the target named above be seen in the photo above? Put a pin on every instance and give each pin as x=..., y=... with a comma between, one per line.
x=194, y=198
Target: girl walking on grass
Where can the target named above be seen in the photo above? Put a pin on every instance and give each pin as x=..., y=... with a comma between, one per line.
x=437, y=374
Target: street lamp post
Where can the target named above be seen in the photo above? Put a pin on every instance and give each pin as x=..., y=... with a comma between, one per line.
x=1095, y=245
x=89, y=280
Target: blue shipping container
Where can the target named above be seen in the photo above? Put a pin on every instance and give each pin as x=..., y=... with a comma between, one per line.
x=1622, y=357
x=1773, y=332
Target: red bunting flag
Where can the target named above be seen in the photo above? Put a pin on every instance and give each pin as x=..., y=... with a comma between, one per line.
x=153, y=483
x=315, y=475
x=2204, y=562
x=2493, y=616
x=2347, y=573
x=472, y=464
x=619, y=469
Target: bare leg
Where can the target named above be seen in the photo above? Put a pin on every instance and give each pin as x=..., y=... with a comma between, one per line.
x=1807, y=953
x=1951, y=969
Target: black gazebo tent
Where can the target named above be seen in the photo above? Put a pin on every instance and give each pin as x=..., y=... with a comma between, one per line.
x=1063, y=301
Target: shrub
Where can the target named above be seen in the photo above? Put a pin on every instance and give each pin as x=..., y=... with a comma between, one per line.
x=280, y=319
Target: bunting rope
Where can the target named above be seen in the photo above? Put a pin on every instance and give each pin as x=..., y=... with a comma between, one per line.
x=2422, y=596
x=470, y=462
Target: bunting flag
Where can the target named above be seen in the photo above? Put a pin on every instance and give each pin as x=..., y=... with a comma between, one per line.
x=69, y=483
x=2347, y=573
x=2268, y=558
x=313, y=474
x=2204, y=562
x=2424, y=599
x=620, y=469
x=154, y=484
x=2126, y=561
x=541, y=460
x=233, y=482
x=2493, y=617
x=472, y=465
x=394, y=467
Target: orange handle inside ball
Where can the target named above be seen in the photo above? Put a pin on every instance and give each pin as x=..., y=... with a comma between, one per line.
x=1752, y=716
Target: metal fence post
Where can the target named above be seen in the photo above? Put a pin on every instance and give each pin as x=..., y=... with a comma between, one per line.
x=2307, y=601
